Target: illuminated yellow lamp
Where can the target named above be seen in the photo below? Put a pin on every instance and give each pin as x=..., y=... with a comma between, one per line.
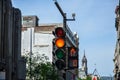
x=59, y=42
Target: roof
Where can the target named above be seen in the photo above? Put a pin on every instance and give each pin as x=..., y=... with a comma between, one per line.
x=44, y=28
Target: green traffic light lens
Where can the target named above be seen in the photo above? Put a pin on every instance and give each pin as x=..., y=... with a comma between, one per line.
x=59, y=53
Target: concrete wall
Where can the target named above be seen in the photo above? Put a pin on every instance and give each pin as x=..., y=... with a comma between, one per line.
x=41, y=42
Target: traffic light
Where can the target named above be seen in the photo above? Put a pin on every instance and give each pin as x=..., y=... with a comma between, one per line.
x=72, y=57
x=59, y=50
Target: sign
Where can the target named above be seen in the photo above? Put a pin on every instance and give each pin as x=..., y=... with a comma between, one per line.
x=94, y=77
x=72, y=57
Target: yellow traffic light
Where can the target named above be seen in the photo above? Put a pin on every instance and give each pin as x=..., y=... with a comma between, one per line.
x=59, y=49
x=59, y=42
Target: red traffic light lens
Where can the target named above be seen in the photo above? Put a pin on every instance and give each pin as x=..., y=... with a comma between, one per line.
x=59, y=32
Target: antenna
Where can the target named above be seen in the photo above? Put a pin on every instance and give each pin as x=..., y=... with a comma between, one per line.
x=95, y=72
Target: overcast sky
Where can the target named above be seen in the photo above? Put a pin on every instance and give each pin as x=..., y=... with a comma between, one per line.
x=95, y=25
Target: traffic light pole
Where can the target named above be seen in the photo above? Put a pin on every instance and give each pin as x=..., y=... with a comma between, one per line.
x=64, y=15
x=64, y=25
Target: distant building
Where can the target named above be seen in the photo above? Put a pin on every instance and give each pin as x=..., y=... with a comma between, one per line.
x=30, y=21
x=106, y=78
x=83, y=72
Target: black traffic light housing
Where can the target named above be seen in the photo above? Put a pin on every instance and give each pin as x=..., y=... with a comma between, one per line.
x=59, y=48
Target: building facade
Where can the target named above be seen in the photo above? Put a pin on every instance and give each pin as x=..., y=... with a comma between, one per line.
x=40, y=37
x=117, y=49
x=12, y=65
x=106, y=78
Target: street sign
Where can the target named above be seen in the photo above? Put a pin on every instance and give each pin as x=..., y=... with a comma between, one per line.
x=94, y=77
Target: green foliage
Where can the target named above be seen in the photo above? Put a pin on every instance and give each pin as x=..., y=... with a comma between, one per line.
x=41, y=68
x=88, y=78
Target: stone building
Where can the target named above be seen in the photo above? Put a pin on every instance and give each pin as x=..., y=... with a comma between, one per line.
x=12, y=65
x=117, y=49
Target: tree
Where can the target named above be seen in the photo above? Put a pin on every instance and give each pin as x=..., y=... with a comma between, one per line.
x=41, y=68
x=87, y=78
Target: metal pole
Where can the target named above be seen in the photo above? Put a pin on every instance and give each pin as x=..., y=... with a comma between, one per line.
x=30, y=51
x=61, y=11
x=64, y=25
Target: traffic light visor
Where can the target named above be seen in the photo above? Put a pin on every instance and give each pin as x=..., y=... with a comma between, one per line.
x=59, y=32
x=59, y=42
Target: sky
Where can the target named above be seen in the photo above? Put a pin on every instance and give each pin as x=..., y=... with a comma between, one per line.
x=94, y=24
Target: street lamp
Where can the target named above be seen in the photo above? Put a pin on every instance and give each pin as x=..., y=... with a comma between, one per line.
x=73, y=15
